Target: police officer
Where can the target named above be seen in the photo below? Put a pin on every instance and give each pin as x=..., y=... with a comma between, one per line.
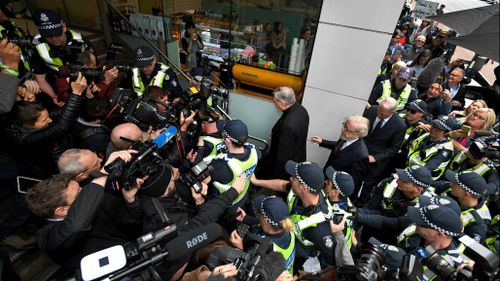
x=475, y=159
x=414, y=115
x=338, y=187
x=436, y=225
x=470, y=190
x=211, y=143
x=149, y=72
x=433, y=150
x=8, y=29
x=391, y=199
x=55, y=45
x=398, y=88
x=241, y=158
x=275, y=224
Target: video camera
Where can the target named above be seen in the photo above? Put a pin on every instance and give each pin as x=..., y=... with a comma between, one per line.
x=141, y=110
x=252, y=265
x=201, y=101
x=135, y=260
x=196, y=175
x=23, y=43
x=147, y=162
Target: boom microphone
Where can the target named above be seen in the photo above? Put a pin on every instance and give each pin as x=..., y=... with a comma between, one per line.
x=430, y=73
x=191, y=241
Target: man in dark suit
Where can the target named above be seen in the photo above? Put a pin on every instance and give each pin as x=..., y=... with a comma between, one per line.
x=350, y=148
x=457, y=90
x=288, y=136
x=387, y=130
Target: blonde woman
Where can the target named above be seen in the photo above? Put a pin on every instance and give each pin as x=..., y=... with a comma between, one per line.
x=479, y=120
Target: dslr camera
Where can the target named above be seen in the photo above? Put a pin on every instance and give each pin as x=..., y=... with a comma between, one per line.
x=196, y=175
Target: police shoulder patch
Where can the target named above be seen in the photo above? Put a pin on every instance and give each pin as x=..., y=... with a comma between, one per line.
x=328, y=242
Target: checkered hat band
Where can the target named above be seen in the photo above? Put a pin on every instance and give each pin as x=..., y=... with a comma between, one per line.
x=229, y=137
x=262, y=211
x=302, y=180
x=407, y=172
x=335, y=184
x=144, y=58
x=443, y=124
x=468, y=189
x=423, y=212
x=418, y=107
x=50, y=26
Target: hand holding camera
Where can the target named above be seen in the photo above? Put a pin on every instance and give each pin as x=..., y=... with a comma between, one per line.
x=110, y=75
x=10, y=54
x=79, y=85
x=24, y=94
x=446, y=96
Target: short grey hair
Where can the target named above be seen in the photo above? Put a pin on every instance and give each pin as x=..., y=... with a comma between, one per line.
x=388, y=103
x=360, y=123
x=285, y=95
x=70, y=162
x=462, y=72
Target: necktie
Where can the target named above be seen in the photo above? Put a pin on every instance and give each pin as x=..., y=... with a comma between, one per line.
x=340, y=144
x=378, y=125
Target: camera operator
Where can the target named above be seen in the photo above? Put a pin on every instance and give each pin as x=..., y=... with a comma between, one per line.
x=391, y=199
x=52, y=46
x=186, y=209
x=241, y=158
x=81, y=221
x=149, y=72
x=310, y=210
x=272, y=216
x=80, y=163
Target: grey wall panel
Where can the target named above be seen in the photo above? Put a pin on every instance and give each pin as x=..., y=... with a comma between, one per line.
x=368, y=14
x=346, y=60
x=326, y=113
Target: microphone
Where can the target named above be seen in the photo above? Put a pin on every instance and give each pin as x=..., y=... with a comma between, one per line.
x=162, y=139
x=430, y=72
x=191, y=241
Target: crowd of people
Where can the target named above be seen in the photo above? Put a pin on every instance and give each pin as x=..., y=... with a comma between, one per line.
x=414, y=170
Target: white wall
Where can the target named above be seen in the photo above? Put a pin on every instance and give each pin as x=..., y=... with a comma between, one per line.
x=350, y=44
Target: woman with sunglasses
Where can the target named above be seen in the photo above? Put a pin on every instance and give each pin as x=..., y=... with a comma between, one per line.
x=479, y=120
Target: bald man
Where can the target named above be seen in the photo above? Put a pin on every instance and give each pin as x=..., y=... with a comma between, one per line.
x=126, y=130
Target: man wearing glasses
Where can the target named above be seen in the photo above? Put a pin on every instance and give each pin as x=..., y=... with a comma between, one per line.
x=350, y=147
x=412, y=50
x=453, y=84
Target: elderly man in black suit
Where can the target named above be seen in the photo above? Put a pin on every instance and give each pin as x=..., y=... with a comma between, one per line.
x=350, y=147
x=288, y=136
x=387, y=130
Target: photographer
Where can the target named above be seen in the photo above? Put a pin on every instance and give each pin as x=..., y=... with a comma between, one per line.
x=53, y=43
x=81, y=221
x=100, y=81
x=149, y=72
x=10, y=31
x=186, y=209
